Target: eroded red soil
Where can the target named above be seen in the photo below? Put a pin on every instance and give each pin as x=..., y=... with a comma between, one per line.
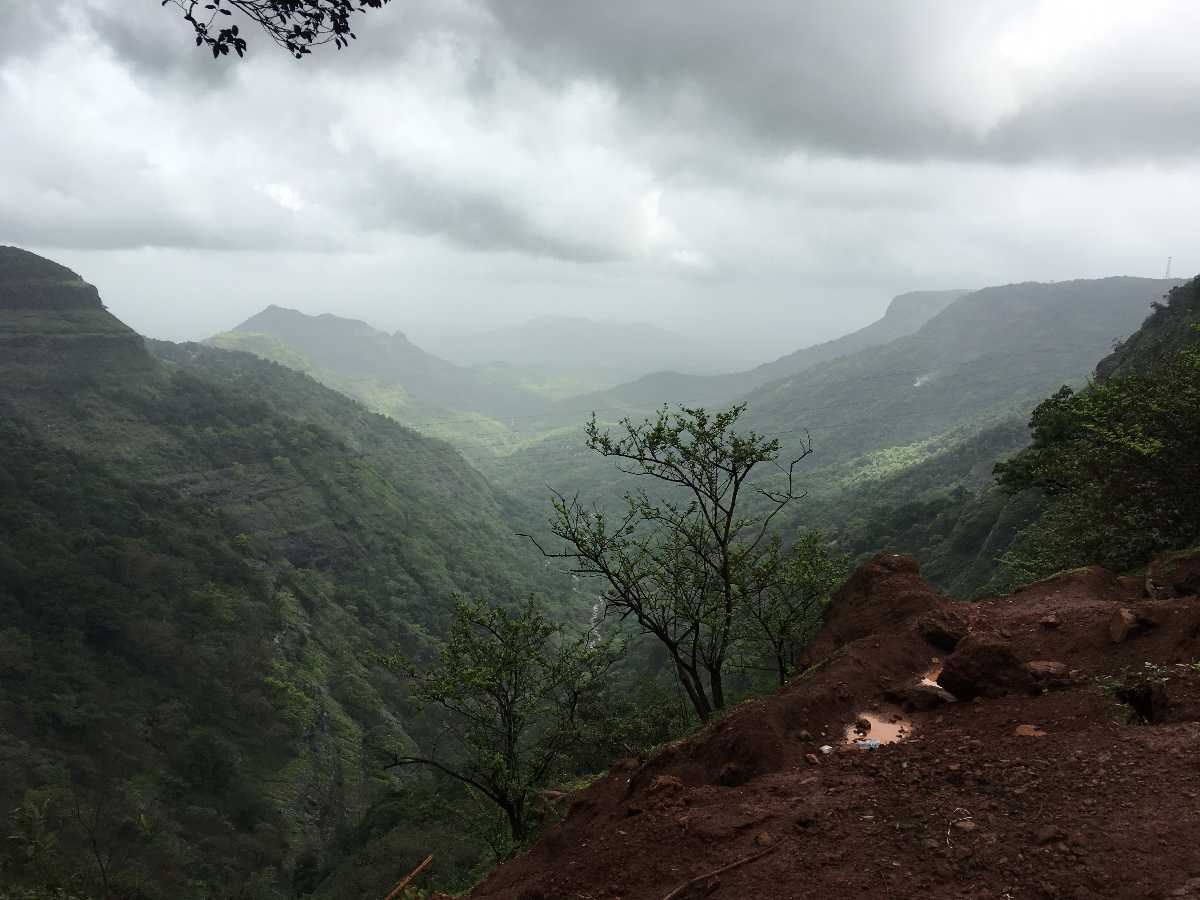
x=1040, y=787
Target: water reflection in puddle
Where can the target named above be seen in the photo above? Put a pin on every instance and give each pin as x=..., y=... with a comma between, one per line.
x=878, y=727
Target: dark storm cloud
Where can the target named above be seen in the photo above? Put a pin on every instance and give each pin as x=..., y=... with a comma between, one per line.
x=903, y=79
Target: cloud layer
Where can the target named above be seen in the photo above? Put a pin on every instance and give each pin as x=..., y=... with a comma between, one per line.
x=675, y=160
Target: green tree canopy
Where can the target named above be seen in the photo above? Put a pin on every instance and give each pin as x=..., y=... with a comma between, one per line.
x=1120, y=462
x=785, y=593
x=510, y=685
x=677, y=562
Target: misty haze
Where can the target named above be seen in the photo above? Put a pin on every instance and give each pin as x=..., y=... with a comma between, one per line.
x=528, y=450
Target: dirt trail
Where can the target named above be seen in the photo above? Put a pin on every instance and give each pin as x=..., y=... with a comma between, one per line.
x=1042, y=786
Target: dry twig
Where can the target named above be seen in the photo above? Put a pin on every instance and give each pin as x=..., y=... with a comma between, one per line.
x=404, y=882
x=733, y=865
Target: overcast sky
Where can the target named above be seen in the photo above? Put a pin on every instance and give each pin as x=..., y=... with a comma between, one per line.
x=768, y=173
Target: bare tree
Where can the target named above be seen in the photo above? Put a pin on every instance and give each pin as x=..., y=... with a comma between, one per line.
x=675, y=563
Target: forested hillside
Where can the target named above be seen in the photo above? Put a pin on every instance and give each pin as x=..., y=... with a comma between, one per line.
x=911, y=428
x=200, y=554
x=1051, y=510
x=1116, y=465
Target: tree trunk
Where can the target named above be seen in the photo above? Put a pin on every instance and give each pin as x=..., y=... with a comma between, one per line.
x=516, y=821
x=716, y=682
x=695, y=690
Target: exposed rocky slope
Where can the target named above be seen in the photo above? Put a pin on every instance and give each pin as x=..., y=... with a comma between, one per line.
x=1044, y=786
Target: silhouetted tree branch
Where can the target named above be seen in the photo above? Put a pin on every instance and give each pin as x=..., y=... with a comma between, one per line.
x=295, y=25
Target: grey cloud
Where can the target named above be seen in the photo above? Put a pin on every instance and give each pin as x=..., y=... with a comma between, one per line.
x=159, y=46
x=848, y=77
x=811, y=158
x=392, y=199
x=27, y=27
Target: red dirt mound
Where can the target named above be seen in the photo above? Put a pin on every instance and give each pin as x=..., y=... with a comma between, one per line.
x=1052, y=788
x=877, y=598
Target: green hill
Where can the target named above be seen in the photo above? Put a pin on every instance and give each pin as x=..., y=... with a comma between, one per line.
x=962, y=529
x=354, y=350
x=905, y=314
x=987, y=355
x=1114, y=465
x=200, y=551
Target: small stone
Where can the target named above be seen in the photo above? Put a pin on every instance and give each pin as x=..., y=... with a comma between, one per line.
x=1050, y=621
x=965, y=825
x=1121, y=624
x=826, y=749
x=665, y=783
x=1028, y=731
x=763, y=839
x=806, y=735
x=812, y=759
x=1044, y=669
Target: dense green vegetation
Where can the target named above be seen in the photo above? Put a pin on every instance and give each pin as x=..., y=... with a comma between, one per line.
x=1119, y=462
x=201, y=555
x=687, y=560
x=207, y=558
x=512, y=687
x=905, y=435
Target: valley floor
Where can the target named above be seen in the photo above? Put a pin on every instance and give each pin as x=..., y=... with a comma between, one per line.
x=1047, y=789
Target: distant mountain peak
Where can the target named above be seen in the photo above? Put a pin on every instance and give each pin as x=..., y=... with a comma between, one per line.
x=351, y=348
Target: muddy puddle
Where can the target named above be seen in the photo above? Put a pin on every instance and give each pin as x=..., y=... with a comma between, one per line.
x=886, y=724
x=874, y=728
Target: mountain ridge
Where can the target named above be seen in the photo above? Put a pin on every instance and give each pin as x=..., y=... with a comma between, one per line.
x=905, y=313
x=201, y=556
